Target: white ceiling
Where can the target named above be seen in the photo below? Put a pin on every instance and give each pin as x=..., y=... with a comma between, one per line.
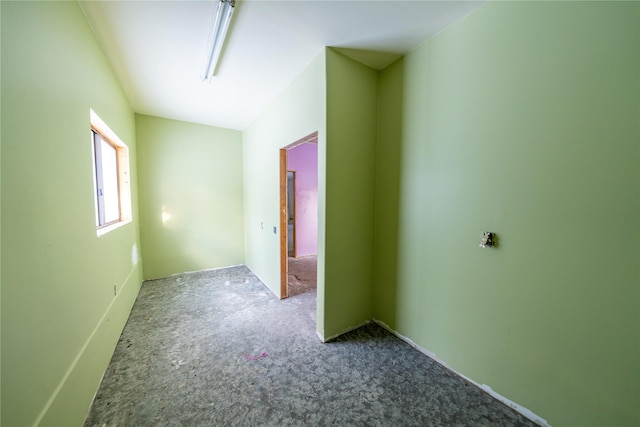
x=156, y=48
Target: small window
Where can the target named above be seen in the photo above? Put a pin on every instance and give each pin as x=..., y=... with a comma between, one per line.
x=112, y=189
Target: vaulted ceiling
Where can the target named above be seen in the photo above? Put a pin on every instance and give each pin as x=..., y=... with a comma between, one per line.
x=156, y=48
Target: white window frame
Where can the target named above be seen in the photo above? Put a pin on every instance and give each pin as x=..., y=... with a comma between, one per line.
x=104, y=133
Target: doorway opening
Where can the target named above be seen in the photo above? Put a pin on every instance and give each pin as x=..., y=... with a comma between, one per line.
x=291, y=213
x=299, y=216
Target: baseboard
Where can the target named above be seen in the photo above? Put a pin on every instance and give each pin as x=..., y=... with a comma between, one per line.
x=203, y=270
x=349, y=329
x=71, y=400
x=521, y=409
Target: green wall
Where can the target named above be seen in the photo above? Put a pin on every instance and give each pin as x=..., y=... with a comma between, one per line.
x=387, y=186
x=524, y=119
x=296, y=113
x=345, y=108
x=191, y=196
x=0, y=209
x=350, y=183
x=521, y=119
x=60, y=318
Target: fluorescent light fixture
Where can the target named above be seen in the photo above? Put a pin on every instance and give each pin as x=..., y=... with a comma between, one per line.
x=219, y=27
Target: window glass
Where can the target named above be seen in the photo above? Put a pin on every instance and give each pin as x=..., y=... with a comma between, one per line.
x=111, y=178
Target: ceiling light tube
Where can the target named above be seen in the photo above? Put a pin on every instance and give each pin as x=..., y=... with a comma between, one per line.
x=219, y=27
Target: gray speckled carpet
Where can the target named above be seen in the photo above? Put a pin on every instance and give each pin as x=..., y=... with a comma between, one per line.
x=218, y=348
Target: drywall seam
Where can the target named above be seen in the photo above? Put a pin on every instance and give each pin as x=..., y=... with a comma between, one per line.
x=346, y=331
x=521, y=409
x=86, y=344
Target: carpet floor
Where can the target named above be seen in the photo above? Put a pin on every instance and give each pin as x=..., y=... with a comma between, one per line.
x=218, y=348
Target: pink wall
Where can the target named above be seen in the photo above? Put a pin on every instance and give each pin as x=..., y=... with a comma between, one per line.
x=303, y=159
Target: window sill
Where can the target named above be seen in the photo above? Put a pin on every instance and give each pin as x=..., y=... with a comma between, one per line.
x=104, y=230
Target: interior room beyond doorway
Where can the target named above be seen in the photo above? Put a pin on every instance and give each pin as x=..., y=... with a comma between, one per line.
x=299, y=216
